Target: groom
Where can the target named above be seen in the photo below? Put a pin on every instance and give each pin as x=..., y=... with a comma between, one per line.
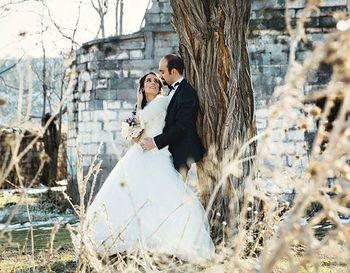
x=179, y=132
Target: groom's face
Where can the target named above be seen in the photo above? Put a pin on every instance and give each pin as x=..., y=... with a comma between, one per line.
x=164, y=72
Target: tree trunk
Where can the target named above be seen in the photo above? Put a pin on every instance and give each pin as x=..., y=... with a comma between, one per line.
x=102, y=18
x=117, y=17
x=213, y=45
x=44, y=84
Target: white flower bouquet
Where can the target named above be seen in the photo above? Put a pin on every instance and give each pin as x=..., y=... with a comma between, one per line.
x=131, y=128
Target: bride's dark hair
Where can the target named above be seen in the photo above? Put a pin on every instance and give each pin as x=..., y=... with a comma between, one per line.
x=142, y=87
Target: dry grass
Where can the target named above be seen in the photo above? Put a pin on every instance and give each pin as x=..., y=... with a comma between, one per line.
x=275, y=240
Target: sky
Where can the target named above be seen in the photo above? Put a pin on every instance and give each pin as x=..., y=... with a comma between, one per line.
x=29, y=18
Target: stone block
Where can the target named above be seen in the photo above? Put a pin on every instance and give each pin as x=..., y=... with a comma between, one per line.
x=101, y=84
x=129, y=104
x=301, y=148
x=105, y=74
x=297, y=4
x=99, y=55
x=262, y=113
x=92, y=149
x=268, y=24
x=85, y=116
x=111, y=126
x=88, y=86
x=124, y=114
x=84, y=137
x=145, y=64
x=123, y=83
x=88, y=57
x=82, y=106
x=111, y=105
x=281, y=148
x=81, y=127
x=95, y=105
x=94, y=126
x=108, y=162
x=136, y=73
x=113, y=149
x=262, y=4
x=278, y=135
x=296, y=135
x=103, y=115
x=106, y=94
x=136, y=54
x=94, y=75
x=152, y=18
x=81, y=67
x=170, y=43
x=261, y=124
x=92, y=66
x=165, y=18
x=101, y=136
x=85, y=96
x=149, y=44
x=108, y=64
x=129, y=44
x=327, y=22
x=161, y=51
x=126, y=94
x=291, y=160
x=86, y=158
x=122, y=56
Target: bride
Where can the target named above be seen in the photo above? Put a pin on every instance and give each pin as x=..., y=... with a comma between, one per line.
x=144, y=204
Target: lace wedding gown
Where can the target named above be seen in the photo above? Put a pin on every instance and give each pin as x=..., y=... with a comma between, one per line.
x=144, y=204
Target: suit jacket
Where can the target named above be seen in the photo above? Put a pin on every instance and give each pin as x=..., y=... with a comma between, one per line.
x=180, y=132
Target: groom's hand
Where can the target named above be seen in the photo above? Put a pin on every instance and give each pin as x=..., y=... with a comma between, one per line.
x=147, y=144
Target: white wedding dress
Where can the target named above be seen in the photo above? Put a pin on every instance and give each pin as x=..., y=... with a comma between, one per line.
x=145, y=205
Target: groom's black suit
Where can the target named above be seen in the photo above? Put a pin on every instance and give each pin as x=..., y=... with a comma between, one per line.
x=180, y=132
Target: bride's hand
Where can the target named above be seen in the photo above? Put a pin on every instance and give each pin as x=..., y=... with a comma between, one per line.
x=136, y=139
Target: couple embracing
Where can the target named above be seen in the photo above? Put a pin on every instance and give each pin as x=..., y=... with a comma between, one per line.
x=144, y=203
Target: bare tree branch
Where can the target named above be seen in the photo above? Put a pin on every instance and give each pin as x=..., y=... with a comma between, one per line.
x=76, y=26
x=10, y=86
x=102, y=10
x=60, y=28
x=12, y=66
x=116, y=17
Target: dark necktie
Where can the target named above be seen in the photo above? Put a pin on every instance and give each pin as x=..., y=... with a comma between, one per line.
x=171, y=88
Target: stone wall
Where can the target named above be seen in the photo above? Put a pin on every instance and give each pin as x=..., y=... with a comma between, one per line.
x=268, y=47
x=109, y=70
x=105, y=90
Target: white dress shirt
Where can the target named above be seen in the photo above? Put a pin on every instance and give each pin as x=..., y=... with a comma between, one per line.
x=174, y=85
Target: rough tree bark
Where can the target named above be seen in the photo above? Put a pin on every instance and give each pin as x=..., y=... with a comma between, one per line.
x=213, y=45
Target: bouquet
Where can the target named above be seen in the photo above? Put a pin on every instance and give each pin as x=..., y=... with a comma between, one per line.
x=131, y=128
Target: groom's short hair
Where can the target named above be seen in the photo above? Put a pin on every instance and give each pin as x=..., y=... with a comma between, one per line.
x=175, y=62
